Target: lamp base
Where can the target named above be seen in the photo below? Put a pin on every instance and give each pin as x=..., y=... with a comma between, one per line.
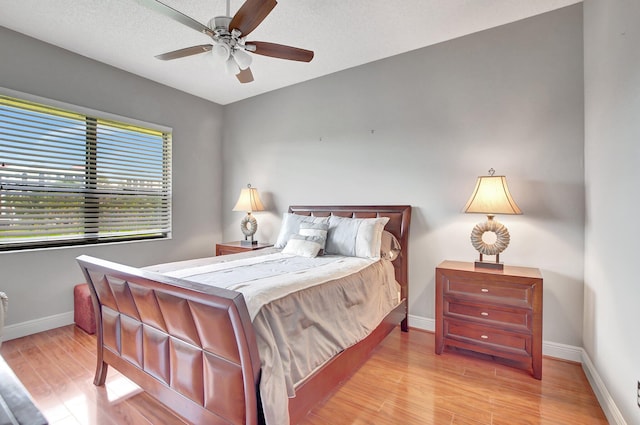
x=497, y=265
x=489, y=265
x=248, y=225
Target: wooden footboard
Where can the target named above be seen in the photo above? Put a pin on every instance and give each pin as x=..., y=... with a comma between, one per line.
x=191, y=346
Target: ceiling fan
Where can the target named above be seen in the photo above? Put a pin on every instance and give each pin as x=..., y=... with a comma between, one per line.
x=229, y=37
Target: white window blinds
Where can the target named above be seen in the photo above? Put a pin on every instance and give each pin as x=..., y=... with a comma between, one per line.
x=70, y=178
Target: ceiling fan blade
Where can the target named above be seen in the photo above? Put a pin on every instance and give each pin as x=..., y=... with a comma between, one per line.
x=250, y=14
x=245, y=76
x=176, y=16
x=187, y=51
x=281, y=51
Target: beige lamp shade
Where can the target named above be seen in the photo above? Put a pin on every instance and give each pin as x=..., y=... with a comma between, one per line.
x=249, y=200
x=491, y=196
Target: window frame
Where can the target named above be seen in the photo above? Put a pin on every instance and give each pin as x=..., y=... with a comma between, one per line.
x=91, y=141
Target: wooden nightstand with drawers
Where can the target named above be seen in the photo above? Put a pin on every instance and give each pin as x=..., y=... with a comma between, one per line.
x=237, y=246
x=495, y=312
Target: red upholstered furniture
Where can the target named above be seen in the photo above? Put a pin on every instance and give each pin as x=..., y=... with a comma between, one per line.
x=83, y=314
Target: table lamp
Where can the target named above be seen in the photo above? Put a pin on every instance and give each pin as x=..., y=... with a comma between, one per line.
x=491, y=196
x=249, y=201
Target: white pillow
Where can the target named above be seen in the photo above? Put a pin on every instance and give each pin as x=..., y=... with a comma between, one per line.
x=355, y=237
x=304, y=246
x=291, y=226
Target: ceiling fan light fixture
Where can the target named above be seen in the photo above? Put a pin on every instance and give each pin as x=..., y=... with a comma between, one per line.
x=232, y=67
x=221, y=51
x=242, y=58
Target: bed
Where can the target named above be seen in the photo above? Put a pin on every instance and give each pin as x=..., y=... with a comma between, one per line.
x=194, y=346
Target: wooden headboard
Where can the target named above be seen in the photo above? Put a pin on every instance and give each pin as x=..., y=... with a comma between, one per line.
x=398, y=225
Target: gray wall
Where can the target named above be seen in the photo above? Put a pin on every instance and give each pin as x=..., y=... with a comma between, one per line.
x=418, y=129
x=39, y=283
x=612, y=156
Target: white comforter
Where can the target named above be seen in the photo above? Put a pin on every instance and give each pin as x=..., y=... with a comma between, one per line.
x=304, y=311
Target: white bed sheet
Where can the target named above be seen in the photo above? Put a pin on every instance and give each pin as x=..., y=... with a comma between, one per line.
x=271, y=276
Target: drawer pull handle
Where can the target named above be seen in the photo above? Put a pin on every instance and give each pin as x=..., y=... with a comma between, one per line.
x=484, y=313
x=484, y=290
x=484, y=337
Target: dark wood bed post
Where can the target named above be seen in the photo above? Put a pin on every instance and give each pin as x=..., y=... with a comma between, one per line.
x=101, y=365
x=402, y=270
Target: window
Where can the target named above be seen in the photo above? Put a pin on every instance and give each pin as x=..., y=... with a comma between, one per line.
x=70, y=178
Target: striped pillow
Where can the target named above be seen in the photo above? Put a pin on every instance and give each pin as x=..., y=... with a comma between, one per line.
x=315, y=229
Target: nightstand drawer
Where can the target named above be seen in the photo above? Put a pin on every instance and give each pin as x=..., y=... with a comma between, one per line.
x=501, y=292
x=489, y=338
x=511, y=318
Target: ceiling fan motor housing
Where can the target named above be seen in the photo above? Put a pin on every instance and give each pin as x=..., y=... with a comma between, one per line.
x=220, y=23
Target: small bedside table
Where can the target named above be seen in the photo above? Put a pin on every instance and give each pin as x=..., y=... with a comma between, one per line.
x=495, y=312
x=235, y=247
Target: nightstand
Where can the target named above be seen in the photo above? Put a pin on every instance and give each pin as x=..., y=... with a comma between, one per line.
x=494, y=312
x=235, y=247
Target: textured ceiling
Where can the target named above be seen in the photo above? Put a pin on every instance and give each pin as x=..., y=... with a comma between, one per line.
x=342, y=33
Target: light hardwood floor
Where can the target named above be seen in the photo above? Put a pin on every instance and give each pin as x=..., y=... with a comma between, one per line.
x=403, y=383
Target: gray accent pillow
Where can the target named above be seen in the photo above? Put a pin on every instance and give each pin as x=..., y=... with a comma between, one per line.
x=390, y=246
x=315, y=229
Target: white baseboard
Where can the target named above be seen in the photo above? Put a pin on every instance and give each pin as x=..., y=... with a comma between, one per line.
x=609, y=407
x=562, y=351
x=423, y=323
x=37, y=325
